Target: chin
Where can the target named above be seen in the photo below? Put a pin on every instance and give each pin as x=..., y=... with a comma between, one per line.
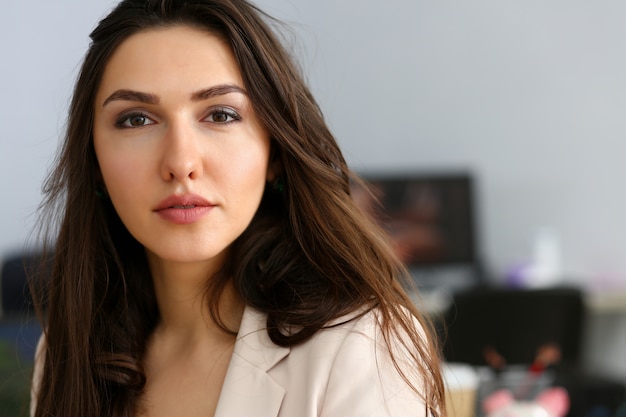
x=192, y=255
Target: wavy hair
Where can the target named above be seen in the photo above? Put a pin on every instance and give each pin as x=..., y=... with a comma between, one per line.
x=308, y=257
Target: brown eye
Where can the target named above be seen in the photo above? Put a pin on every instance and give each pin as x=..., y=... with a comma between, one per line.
x=220, y=117
x=223, y=116
x=134, y=120
x=137, y=120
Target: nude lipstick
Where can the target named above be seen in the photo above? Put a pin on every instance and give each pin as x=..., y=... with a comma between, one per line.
x=183, y=209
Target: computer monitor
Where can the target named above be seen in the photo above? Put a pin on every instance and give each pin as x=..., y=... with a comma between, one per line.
x=431, y=219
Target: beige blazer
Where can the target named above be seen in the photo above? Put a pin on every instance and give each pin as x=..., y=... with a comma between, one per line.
x=343, y=371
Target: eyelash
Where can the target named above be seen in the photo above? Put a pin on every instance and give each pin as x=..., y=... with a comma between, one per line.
x=231, y=115
x=125, y=118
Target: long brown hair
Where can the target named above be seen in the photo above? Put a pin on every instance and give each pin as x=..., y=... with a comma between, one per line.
x=309, y=256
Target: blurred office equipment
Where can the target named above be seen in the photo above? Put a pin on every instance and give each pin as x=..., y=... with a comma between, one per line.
x=431, y=218
x=19, y=333
x=15, y=297
x=526, y=340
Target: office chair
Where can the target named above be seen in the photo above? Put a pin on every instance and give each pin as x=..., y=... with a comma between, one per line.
x=500, y=327
x=515, y=324
x=15, y=296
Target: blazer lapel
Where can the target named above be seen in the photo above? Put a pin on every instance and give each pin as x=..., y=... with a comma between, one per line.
x=248, y=389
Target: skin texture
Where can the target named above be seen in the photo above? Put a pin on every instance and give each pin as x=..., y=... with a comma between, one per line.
x=172, y=120
x=183, y=145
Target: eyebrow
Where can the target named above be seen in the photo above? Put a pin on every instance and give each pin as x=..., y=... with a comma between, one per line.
x=130, y=95
x=218, y=90
x=147, y=98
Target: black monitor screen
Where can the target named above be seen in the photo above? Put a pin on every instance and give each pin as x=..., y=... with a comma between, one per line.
x=430, y=218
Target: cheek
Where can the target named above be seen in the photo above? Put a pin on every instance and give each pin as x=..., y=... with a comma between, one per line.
x=252, y=168
x=121, y=171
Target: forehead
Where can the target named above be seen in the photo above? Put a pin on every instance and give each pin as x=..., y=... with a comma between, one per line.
x=177, y=58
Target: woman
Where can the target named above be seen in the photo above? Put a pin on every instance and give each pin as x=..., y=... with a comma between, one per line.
x=209, y=259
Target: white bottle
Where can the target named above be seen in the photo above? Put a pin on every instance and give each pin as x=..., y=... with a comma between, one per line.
x=546, y=267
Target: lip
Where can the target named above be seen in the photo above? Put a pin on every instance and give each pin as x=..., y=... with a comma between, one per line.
x=183, y=209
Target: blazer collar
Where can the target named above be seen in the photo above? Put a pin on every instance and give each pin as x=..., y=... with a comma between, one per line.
x=248, y=388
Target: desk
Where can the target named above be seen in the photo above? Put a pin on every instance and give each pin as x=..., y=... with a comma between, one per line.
x=606, y=302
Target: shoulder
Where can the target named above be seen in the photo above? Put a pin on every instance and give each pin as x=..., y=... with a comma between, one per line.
x=37, y=373
x=349, y=370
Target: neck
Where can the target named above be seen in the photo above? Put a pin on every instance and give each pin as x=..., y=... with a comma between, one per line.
x=180, y=290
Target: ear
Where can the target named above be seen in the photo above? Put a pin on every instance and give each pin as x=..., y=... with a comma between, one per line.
x=497, y=401
x=555, y=400
x=275, y=166
x=273, y=172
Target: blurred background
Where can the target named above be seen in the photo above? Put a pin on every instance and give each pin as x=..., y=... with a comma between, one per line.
x=525, y=98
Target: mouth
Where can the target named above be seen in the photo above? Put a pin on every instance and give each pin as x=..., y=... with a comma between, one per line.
x=183, y=209
x=183, y=202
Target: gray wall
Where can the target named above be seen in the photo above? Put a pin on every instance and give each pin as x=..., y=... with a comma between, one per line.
x=528, y=95
x=41, y=46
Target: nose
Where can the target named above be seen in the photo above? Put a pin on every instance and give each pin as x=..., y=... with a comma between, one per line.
x=182, y=156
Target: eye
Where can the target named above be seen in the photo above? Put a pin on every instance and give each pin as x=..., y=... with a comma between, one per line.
x=134, y=120
x=223, y=116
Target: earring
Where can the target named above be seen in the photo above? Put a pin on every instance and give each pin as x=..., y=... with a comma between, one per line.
x=101, y=192
x=278, y=185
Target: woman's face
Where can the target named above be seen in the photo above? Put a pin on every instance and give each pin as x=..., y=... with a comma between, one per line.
x=182, y=154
